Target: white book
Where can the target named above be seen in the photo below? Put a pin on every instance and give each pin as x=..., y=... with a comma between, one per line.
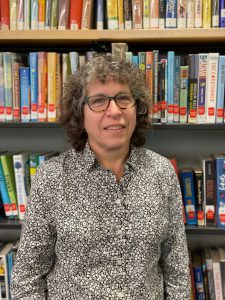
x=211, y=87
x=13, y=14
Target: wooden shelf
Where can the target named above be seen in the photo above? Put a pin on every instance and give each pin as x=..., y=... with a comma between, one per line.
x=70, y=37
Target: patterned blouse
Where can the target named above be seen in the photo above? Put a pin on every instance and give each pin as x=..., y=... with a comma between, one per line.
x=86, y=236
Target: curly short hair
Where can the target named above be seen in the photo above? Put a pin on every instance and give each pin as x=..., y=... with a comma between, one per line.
x=103, y=68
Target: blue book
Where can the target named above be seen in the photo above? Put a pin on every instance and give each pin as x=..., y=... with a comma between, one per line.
x=198, y=275
x=74, y=61
x=100, y=14
x=189, y=198
x=33, y=57
x=220, y=190
x=135, y=60
x=4, y=193
x=176, y=104
x=171, y=13
x=25, y=93
x=220, y=90
x=170, y=85
x=222, y=13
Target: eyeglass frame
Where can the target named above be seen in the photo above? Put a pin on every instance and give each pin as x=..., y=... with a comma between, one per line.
x=110, y=98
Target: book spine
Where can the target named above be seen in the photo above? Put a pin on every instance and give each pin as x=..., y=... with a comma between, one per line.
x=220, y=90
x=190, y=13
x=146, y=14
x=128, y=14
x=193, y=87
x=220, y=192
x=48, y=11
x=157, y=111
x=20, y=22
x=16, y=91
x=202, y=73
x=189, y=197
x=2, y=90
x=183, y=94
x=198, y=177
x=137, y=14
x=52, y=86
x=33, y=166
x=163, y=98
x=199, y=286
x=121, y=23
x=170, y=86
x=34, y=85
x=217, y=280
x=41, y=14
x=171, y=13
x=7, y=60
x=222, y=13
x=34, y=14
x=181, y=13
x=198, y=13
x=13, y=14
x=5, y=14
x=74, y=61
x=206, y=13
x=211, y=87
x=4, y=193
x=154, y=13
x=86, y=20
x=26, y=15
x=7, y=165
x=215, y=13
x=149, y=74
x=42, y=86
x=63, y=15
x=176, y=104
x=54, y=15
x=25, y=93
x=100, y=14
x=162, y=14
x=76, y=14
x=21, y=162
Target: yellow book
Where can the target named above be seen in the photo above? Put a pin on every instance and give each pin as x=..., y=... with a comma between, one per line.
x=13, y=14
x=120, y=14
x=112, y=14
x=207, y=14
x=52, y=95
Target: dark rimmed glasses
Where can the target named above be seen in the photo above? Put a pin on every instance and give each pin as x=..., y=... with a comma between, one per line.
x=100, y=103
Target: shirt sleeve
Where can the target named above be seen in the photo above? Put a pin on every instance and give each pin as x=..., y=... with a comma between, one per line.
x=35, y=255
x=175, y=258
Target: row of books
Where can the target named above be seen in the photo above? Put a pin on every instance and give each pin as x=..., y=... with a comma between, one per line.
x=16, y=173
x=110, y=14
x=184, y=88
x=8, y=253
x=207, y=269
x=203, y=191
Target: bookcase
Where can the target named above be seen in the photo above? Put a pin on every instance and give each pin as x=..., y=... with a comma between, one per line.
x=187, y=142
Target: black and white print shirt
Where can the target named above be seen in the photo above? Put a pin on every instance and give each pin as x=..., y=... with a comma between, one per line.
x=86, y=236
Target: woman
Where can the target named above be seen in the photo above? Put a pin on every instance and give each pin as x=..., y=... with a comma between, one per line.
x=104, y=219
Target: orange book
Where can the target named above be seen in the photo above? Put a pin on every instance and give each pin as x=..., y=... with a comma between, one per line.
x=42, y=86
x=149, y=72
x=4, y=8
x=137, y=14
x=75, y=14
x=154, y=13
x=52, y=95
x=41, y=14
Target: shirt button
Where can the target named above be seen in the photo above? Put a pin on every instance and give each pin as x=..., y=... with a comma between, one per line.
x=120, y=295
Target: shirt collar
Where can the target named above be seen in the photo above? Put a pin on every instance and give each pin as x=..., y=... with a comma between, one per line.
x=134, y=159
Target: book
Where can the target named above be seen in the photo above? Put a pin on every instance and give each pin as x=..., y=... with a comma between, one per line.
x=33, y=57
x=220, y=190
x=215, y=13
x=128, y=14
x=137, y=14
x=221, y=252
x=52, y=97
x=198, y=180
x=188, y=192
x=25, y=94
x=162, y=14
x=198, y=13
x=100, y=14
x=193, y=62
x=181, y=13
x=48, y=12
x=163, y=89
x=34, y=14
x=119, y=50
x=26, y=12
x=41, y=14
x=198, y=274
x=209, y=194
x=7, y=69
x=170, y=85
x=220, y=90
x=156, y=111
x=2, y=90
x=21, y=165
x=206, y=13
x=121, y=22
x=54, y=15
x=5, y=13
x=171, y=13
x=146, y=14
x=42, y=86
x=154, y=13
x=4, y=193
x=177, y=89
x=202, y=74
x=8, y=171
x=211, y=87
x=13, y=14
x=112, y=14
x=183, y=94
x=209, y=267
x=222, y=13
x=63, y=14
x=16, y=90
x=4, y=272
x=75, y=14
x=190, y=13
x=216, y=273
x=87, y=14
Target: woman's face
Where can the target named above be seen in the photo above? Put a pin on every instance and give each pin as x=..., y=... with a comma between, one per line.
x=110, y=129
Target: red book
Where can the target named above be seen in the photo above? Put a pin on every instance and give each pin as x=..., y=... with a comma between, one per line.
x=75, y=14
x=4, y=8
